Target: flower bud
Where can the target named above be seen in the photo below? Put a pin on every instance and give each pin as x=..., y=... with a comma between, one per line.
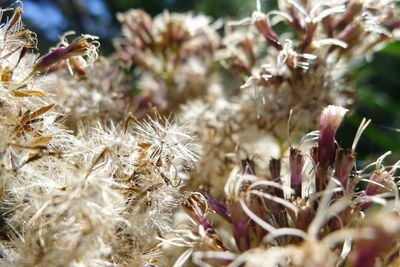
x=381, y=182
x=79, y=47
x=352, y=11
x=192, y=207
x=330, y=119
x=241, y=223
x=218, y=207
x=257, y=206
x=296, y=168
x=263, y=26
x=351, y=34
x=344, y=163
x=275, y=169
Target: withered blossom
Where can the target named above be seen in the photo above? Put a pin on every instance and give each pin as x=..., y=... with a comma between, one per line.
x=174, y=53
x=79, y=47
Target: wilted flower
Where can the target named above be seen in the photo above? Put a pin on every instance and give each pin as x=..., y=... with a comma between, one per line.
x=79, y=47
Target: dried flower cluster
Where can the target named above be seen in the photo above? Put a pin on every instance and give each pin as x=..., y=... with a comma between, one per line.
x=303, y=69
x=188, y=153
x=175, y=52
x=310, y=211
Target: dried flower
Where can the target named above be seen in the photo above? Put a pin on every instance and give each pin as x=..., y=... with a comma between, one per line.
x=114, y=186
x=80, y=46
x=330, y=119
x=296, y=169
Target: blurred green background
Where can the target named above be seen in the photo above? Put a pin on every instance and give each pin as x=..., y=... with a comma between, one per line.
x=377, y=81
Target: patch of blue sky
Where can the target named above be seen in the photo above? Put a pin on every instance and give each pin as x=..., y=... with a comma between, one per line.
x=46, y=16
x=100, y=20
x=99, y=9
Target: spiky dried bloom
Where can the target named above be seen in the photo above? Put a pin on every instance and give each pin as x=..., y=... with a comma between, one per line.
x=110, y=189
x=172, y=52
x=112, y=192
x=297, y=222
x=300, y=70
x=40, y=191
x=110, y=185
x=97, y=197
x=304, y=68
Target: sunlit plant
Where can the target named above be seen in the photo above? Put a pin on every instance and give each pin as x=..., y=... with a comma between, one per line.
x=215, y=161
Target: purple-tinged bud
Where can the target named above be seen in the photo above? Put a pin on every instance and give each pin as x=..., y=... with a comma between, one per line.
x=240, y=223
x=296, y=168
x=248, y=46
x=135, y=18
x=275, y=169
x=174, y=34
x=308, y=37
x=192, y=207
x=146, y=23
x=218, y=207
x=352, y=10
x=297, y=26
x=328, y=25
x=140, y=24
x=380, y=182
x=344, y=163
x=238, y=66
x=274, y=209
x=51, y=58
x=330, y=120
x=263, y=26
x=257, y=206
x=79, y=47
x=351, y=34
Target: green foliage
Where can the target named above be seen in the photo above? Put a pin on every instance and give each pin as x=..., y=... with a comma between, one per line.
x=377, y=85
